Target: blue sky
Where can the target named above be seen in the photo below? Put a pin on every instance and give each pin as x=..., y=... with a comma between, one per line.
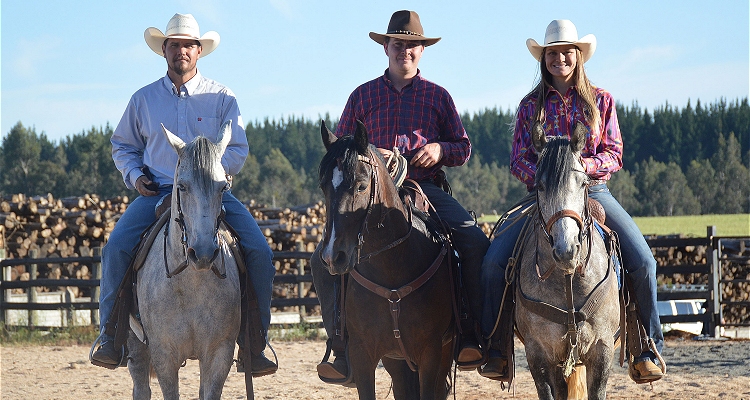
x=71, y=65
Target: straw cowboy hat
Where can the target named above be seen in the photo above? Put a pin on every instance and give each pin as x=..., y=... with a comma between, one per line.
x=562, y=31
x=182, y=26
x=404, y=25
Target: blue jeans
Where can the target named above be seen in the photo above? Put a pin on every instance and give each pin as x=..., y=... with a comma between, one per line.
x=119, y=250
x=637, y=259
x=469, y=240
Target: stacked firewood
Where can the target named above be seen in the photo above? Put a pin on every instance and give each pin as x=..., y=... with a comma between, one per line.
x=735, y=265
x=45, y=227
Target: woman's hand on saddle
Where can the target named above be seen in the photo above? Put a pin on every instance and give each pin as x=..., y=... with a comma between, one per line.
x=146, y=187
x=428, y=156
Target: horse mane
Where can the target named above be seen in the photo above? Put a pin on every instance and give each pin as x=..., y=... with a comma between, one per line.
x=203, y=154
x=554, y=157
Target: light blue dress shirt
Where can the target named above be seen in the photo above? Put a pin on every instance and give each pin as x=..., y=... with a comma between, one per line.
x=199, y=108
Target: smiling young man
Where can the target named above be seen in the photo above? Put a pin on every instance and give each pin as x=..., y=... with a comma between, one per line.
x=189, y=105
x=403, y=110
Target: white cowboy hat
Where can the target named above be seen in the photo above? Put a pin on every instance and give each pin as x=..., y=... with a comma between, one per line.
x=562, y=31
x=181, y=26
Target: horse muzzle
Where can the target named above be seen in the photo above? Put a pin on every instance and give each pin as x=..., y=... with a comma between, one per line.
x=337, y=261
x=202, y=259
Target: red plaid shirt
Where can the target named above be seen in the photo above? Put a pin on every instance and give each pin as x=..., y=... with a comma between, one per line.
x=603, y=151
x=421, y=113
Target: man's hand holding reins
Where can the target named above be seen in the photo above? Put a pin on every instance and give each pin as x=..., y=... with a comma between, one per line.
x=142, y=185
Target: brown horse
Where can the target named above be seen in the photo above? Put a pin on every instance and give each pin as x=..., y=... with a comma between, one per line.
x=398, y=304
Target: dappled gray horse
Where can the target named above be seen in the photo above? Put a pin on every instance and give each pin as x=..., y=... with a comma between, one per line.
x=188, y=289
x=567, y=299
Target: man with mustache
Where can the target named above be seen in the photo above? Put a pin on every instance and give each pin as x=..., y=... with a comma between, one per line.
x=189, y=105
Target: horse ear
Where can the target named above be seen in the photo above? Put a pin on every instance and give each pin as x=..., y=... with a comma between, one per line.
x=578, y=140
x=538, y=137
x=226, y=136
x=177, y=143
x=360, y=138
x=328, y=137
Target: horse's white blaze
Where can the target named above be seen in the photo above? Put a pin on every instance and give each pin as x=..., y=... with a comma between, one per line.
x=338, y=177
x=328, y=250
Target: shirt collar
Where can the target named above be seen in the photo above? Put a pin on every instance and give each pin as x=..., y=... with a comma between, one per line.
x=414, y=81
x=190, y=86
x=571, y=91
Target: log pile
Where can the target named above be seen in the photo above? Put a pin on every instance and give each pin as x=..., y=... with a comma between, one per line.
x=69, y=227
x=735, y=265
x=45, y=227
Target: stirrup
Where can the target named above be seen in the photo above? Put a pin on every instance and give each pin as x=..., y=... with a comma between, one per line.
x=346, y=382
x=123, y=356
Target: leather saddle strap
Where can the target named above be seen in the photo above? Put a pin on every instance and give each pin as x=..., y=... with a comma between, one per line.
x=560, y=316
x=405, y=290
x=394, y=297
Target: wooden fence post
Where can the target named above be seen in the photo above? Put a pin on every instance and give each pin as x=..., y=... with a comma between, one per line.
x=32, y=290
x=300, y=285
x=96, y=273
x=714, y=279
x=6, y=293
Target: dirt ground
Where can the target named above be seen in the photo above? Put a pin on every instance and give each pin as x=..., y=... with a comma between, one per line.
x=696, y=370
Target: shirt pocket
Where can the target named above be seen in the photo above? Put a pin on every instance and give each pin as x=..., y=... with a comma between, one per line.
x=206, y=126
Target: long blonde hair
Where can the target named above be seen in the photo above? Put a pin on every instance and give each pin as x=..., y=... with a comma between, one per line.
x=585, y=89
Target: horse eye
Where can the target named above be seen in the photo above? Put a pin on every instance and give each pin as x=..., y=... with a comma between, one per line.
x=181, y=187
x=361, y=188
x=540, y=187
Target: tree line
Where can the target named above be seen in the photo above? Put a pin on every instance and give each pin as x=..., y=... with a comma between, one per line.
x=693, y=160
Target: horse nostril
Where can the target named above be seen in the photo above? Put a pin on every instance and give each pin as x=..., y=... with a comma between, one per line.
x=341, y=259
x=191, y=254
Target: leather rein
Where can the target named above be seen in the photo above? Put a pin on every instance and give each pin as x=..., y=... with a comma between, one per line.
x=394, y=296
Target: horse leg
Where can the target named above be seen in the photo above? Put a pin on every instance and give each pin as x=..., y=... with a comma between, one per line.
x=139, y=366
x=598, y=368
x=442, y=385
x=363, y=369
x=434, y=368
x=538, y=365
x=214, y=372
x=405, y=381
x=167, y=369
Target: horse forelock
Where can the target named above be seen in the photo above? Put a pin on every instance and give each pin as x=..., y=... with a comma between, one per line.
x=342, y=154
x=201, y=156
x=554, y=160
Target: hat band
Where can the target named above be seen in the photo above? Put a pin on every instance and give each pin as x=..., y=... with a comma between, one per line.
x=561, y=41
x=405, y=33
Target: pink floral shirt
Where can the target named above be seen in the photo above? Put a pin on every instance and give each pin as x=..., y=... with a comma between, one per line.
x=602, y=154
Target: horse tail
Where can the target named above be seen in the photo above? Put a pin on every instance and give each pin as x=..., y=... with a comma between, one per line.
x=577, y=383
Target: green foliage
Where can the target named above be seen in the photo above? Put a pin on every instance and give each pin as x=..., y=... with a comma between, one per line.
x=301, y=331
x=23, y=336
x=676, y=161
x=695, y=225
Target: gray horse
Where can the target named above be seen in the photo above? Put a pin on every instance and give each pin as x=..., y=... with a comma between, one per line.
x=188, y=289
x=567, y=300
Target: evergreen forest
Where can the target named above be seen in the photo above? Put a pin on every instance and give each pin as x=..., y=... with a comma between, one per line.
x=677, y=161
